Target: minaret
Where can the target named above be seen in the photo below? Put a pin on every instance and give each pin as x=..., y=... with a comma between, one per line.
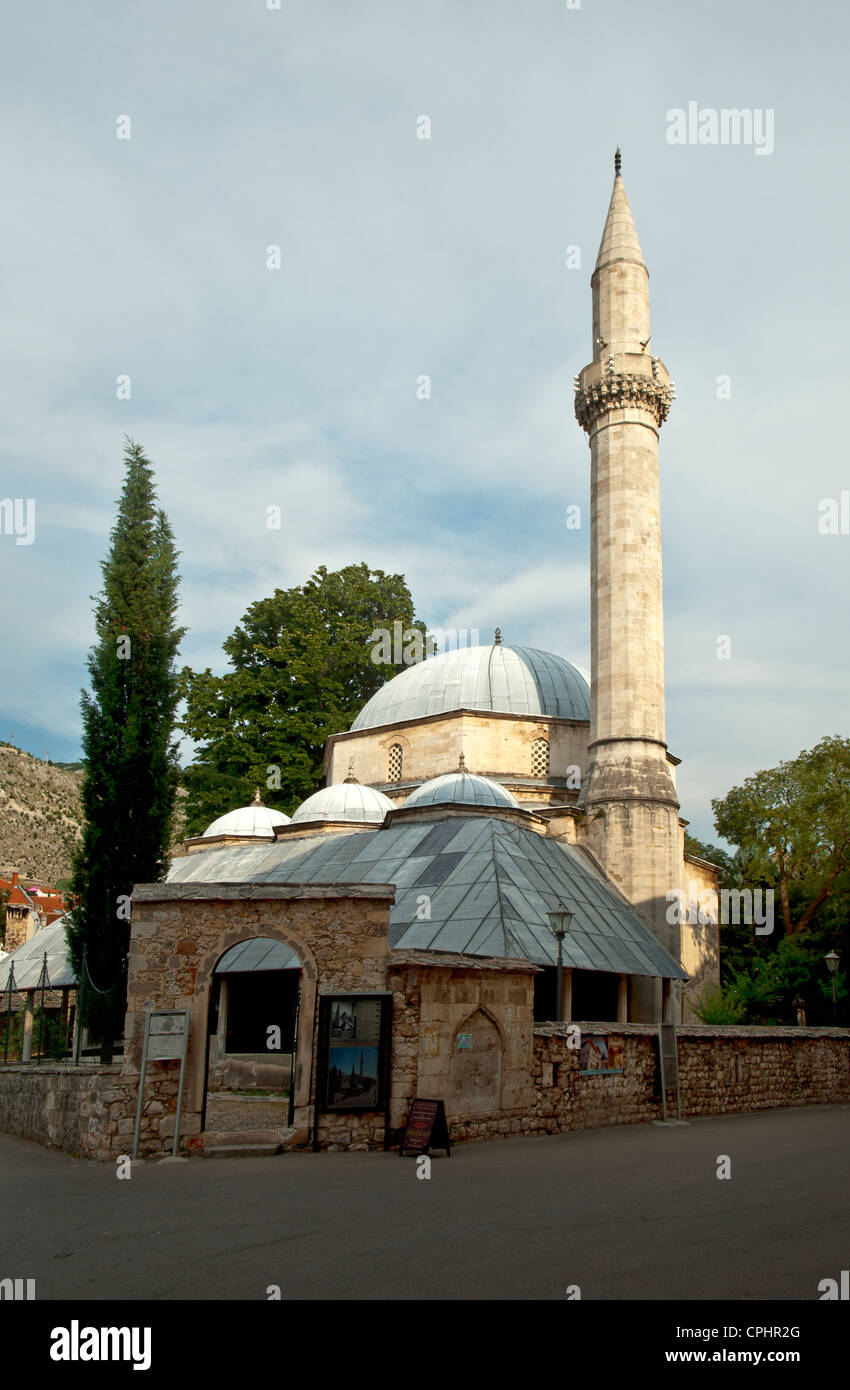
x=622, y=399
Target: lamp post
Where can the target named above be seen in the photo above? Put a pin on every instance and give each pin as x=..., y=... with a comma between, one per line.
x=832, y=959
x=559, y=925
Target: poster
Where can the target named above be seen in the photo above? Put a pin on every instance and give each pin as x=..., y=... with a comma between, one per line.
x=600, y=1056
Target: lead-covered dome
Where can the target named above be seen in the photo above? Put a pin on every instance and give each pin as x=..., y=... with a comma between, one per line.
x=255, y=819
x=462, y=788
x=498, y=678
x=346, y=803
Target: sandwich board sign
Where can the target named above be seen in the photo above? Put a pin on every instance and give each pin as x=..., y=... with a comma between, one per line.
x=166, y=1040
x=426, y=1128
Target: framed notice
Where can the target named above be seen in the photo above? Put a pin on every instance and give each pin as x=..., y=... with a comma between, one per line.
x=354, y=1052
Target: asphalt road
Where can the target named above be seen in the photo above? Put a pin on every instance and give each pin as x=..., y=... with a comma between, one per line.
x=635, y=1212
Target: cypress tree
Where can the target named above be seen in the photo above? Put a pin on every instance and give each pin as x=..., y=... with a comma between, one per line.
x=131, y=767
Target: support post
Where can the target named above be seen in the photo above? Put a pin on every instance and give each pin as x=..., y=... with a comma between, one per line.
x=26, y=1041
x=623, y=999
x=565, y=1001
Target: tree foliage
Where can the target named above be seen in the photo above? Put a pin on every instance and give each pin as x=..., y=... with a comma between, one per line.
x=131, y=768
x=301, y=668
x=791, y=828
x=792, y=823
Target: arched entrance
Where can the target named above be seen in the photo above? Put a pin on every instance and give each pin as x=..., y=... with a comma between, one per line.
x=258, y=999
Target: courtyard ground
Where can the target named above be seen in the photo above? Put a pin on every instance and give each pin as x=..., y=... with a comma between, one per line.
x=632, y=1212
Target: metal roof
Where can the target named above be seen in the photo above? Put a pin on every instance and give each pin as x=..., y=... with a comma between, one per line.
x=499, y=678
x=461, y=787
x=259, y=953
x=345, y=801
x=487, y=883
x=248, y=820
x=29, y=958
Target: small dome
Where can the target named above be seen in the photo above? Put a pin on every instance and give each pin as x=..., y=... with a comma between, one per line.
x=255, y=819
x=346, y=803
x=462, y=788
x=498, y=678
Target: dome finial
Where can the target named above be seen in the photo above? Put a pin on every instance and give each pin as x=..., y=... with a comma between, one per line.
x=497, y=637
x=617, y=161
x=258, y=800
x=351, y=777
x=461, y=763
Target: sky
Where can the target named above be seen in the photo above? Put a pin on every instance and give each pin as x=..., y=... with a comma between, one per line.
x=400, y=257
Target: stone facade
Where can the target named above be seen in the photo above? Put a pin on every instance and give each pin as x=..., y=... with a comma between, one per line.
x=494, y=745
x=180, y=931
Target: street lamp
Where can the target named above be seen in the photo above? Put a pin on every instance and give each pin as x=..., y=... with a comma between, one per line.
x=559, y=925
x=832, y=959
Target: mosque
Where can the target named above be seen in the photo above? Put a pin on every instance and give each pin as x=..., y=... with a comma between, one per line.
x=490, y=808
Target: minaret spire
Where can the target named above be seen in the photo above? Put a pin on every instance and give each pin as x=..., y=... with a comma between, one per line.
x=622, y=399
x=620, y=281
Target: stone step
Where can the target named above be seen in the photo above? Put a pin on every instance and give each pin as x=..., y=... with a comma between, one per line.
x=241, y=1151
x=250, y=1142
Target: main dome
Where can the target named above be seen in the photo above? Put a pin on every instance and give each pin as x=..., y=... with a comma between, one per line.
x=497, y=678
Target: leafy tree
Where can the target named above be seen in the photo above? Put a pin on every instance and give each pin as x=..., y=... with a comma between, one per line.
x=718, y=1006
x=302, y=667
x=131, y=769
x=792, y=824
x=700, y=850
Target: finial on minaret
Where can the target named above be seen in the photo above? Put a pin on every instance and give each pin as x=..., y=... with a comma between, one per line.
x=351, y=777
x=618, y=158
x=258, y=800
x=497, y=637
x=461, y=763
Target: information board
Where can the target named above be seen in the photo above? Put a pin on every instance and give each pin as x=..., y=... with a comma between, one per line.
x=427, y=1128
x=166, y=1040
x=353, y=1063
x=167, y=1035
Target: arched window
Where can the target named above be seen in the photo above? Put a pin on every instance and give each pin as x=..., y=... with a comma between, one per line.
x=394, y=762
x=540, y=758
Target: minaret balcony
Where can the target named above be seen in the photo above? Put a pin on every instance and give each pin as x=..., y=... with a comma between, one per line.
x=623, y=381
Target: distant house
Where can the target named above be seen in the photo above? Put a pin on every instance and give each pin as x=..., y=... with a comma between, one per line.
x=27, y=910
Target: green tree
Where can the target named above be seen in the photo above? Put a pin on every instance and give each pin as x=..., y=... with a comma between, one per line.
x=792, y=824
x=131, y=769
x=302, y=667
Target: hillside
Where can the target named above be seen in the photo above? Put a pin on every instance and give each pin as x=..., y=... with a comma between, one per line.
x=40, y=817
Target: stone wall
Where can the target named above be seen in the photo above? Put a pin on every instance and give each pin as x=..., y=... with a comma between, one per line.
x=78, y=1109
x=89, y=1110
x=722, y=1071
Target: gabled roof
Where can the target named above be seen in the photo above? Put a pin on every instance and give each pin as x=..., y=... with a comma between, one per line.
x=18, y=897
x=480, y=886
x=28, y=960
